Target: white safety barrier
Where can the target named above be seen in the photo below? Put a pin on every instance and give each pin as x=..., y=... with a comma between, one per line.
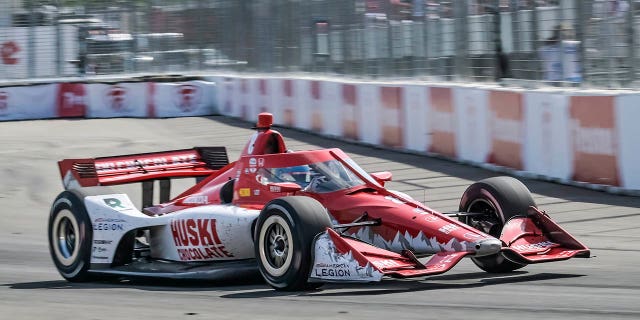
x=146, y=99
x=576, y=137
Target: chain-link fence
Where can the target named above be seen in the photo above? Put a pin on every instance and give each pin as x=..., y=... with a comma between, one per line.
x=561, y=42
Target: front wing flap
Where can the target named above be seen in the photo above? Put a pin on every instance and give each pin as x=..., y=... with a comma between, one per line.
x=536, y=238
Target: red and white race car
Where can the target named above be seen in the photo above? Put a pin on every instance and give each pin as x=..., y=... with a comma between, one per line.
x=301, y=218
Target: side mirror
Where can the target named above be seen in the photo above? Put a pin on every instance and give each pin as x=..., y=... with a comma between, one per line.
x=284, y=187
x=382, y=177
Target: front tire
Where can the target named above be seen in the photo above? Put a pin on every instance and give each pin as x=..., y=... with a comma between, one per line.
x=70, y=234
x=500, y=199
x=284, y=237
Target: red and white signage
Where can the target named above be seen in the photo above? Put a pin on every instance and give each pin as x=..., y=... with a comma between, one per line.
x=594, y=139
x=547, y=147
x=316, y=105
x=442, y=121
x=351, y=112
x=473, y=139
x=192, y=98
x=507, y=128
x=392, y=118
x=71, y=100
x=28, y=102
x=416, y=127
x=288, y=103
x=117, y=100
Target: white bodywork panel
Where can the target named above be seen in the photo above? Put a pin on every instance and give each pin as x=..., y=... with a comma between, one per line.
x=329, y=264
x=205, y=233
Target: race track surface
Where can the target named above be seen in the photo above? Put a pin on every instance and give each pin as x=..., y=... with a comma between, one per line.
x=604, y=287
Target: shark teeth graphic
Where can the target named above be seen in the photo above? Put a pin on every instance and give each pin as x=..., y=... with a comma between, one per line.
x=418, y=244
x=330, y=264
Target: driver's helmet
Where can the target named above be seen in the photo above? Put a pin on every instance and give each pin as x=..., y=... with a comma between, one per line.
x=298, y=174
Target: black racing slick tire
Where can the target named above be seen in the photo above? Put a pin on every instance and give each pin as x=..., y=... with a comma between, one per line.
x=70, y=235
x=500, y=199
x=284, y=237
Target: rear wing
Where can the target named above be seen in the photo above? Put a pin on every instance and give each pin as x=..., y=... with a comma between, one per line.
x=105, y=171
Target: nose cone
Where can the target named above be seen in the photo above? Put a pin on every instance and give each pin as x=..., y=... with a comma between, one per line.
x=487, y=247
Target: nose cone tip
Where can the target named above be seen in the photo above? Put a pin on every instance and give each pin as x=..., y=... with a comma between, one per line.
x=487, y=247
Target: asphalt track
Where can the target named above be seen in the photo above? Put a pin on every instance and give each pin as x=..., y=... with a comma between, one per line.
x=604, y=287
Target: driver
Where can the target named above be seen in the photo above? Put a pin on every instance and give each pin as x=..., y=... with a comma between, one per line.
x=298, y=174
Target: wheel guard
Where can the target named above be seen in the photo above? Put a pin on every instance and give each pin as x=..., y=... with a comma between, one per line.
x=340, y=258
x=536, y=238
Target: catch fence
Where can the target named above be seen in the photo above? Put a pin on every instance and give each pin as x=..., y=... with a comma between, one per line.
x=531, y=43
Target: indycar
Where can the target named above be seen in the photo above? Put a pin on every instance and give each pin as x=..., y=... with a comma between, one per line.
x=298, y=218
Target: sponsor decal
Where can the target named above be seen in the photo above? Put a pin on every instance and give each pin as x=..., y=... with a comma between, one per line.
x=448, y=228
x=7, y=51
x=102, y=241
x=196, y=200
x=106, y=226
x=323, y=270
x=114, y=203
x=419, y=211
x=188, y=97
x=252, y=162
x=534, y=246
x=471, y=236
x=244, y=192
x=256, y=192
x=385, y=263
x=197, y=239
x=99, y=249
x=116, y=98
x=260, y=162
x=107, y=220
x=330, y=264
x=150, y=162
x=394, y=200
x=275, y=188
x=99, y=257
x=431, y=218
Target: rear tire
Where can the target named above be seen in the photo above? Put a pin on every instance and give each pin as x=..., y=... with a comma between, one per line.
x=500, y=198
x=70, y=235
x=284, y=237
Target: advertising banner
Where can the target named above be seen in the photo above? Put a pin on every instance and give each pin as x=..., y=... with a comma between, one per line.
x=594, y=139
x=547, y=144
x=416, y=130
x=392, y=116
x=350, y=112
x=506, y=128
x=126, y=99
x=187, y=99
x=627, y=115
x=473, y=141
x=28, y=102
x=71, y=100
x=442, y=121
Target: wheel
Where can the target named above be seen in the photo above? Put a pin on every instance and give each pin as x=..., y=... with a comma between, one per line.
x=70, y=235
x=499, y=198
x=284, y=237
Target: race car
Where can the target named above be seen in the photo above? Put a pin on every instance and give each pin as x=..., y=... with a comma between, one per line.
x=299, y=218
